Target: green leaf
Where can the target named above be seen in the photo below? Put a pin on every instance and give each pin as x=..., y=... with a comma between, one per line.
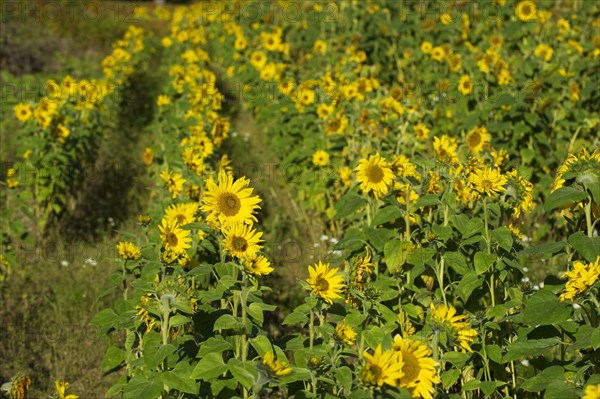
x=214, y=345
x=542, y=380
x=295, y=318
x=174, y=380
x=494, y=352
x=421, y=255
x=141, y=386
x=105, y=319
x=348, y=205
x=227, y=322
x=395, y=254
x=449, y=377
x=503, y=237
x=483, y=262
x=563, y=196
x=529, y=348
x=427, y=200
x=179, y=320
x=261, y=344
x=468, y=283
x=547, y=249
x=544, y=308
x=343, y=376
x=244, y=373
x=488, y=387
x=209, y=367
x=458, y=359
x=113, y=358
x=457, y=262
x=587, y=247
x=587, y=337
x=561, y=390
x=474, y=226
x=386, y=214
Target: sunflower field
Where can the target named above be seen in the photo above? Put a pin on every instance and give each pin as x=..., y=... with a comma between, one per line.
x=305, y=199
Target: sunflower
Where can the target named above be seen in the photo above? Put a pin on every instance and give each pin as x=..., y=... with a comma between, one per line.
x=324, y=110
x=174, y=239
x=404, y=167
x=23, y=112
x=61, y=390
x=421, y=132
x=257, y=265
x=345, y=175
x=320, y=158
x=374, y=174
x=526, y=10
x=382, y=368
x=426, y=47
x=438, y=53
x=345, y=334
x=592, y=392
x=581, y=167
x=445, y=148
x=241, y=240
x=459, y=328
x=465, y=85
x=258, y=59
x=477, y=139
x=128, y=250
x=229, y=201
x=488, y=181
x=174, y=182
x=182, y=214
x=320, y=47
x=337, y=124
x=581, y=277
x=521, y=190
x=420, y=374
x=544, y=52
x=325, y=282
x=277, y=367
x=148, y=156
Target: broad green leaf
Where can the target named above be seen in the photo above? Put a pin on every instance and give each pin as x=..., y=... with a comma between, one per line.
x=209, y=367
x=426, y=200
x=386, y=214
x=457, y=262
x=113, y=358
x=344, y=377
x=244, y=373
x=483, y=262
x=174, y=380
x=261, y=344
x=494, y=352
x=544, y=308
x=348, y=205
x=214, y=345
x=142, y=387
x=227, y=322
x=562, y=390
x=468, y=283
x=449, y=377
x=395, y=255
x=564, y=196
x=503, y=237
x=587, y=247
x=295, y=318
x=529, y=348
x=543, y=379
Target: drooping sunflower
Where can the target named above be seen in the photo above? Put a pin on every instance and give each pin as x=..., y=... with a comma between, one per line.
x=477, y=139
x=382, y=368
x=230, y=201
x=579, y=168
x=128, y=250
x=420, y=374
x=488, y=181
x=182, y=213
x=174, y=239
x=241, y=240
x=521, y=191
x=374, y=174
x=581, y=277
x=325, y=282
x=257, y=265
x=458, y=327
x=277, y=367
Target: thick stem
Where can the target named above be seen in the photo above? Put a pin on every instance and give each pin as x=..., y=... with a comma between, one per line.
x=311, y=328
x=588, y=218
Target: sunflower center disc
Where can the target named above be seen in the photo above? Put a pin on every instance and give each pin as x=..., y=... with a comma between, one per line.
x=374, y=174
x=172, y=239
x=239, y=244
x=229, y=204
x=322, y=284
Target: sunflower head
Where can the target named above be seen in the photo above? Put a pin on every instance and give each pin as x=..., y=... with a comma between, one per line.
x=325, y=282
x=374, y=174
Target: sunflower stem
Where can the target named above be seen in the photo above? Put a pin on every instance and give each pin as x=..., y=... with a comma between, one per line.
x=311, y=327
x=588, y=218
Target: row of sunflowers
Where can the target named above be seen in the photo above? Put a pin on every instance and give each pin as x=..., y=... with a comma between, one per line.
x=447, y=151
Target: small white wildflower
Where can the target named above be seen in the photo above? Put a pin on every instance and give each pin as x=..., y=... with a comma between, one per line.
x=525, y=269
x=333, y=240
x=324, y=237
x=317, y=244
x=536, y=287
x=64, y=263
x=91, y=262
x=576, y=306
x=337, y=252
x=525, y=279
x=525, y=362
